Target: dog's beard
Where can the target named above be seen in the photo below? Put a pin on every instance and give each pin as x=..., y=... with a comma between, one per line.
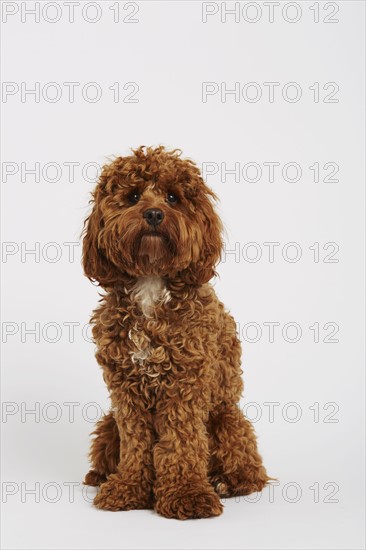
x=144, y=251
x=152, y=248
x=152, y=253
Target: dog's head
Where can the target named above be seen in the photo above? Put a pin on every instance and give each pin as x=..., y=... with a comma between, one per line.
x=152, y=215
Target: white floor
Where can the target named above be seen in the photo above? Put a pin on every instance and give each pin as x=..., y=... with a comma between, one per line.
x=243, y=525
x=40, y=513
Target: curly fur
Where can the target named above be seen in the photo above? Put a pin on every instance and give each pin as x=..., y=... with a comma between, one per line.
x=175, y=439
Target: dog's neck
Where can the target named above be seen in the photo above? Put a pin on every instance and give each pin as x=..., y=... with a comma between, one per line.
x=149, y=291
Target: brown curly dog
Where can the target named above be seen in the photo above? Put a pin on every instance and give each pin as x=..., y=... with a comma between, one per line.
x=175, y=439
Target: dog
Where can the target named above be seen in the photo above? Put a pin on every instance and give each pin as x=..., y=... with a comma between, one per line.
x=175, y=439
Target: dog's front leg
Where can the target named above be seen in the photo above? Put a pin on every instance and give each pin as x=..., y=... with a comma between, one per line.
x=181, y=488
x=130, y=488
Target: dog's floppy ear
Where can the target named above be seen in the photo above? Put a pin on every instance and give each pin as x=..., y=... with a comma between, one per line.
x=97, y=267
x=202, y=270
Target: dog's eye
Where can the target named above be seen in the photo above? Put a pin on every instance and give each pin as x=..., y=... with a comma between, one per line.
x=134, y=197
x=171, y=198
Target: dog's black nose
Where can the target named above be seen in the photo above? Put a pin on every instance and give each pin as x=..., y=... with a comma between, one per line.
x=153, y=216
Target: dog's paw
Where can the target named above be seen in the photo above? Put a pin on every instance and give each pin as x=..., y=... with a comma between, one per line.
x=189, y=502
x=238, y=485
x=94, y=479
x=221, y=488
x=115, y=494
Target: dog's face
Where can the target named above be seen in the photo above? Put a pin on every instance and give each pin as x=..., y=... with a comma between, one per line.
x=152, y=215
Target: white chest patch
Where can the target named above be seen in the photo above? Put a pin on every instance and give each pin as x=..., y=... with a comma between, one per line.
x=148, y=292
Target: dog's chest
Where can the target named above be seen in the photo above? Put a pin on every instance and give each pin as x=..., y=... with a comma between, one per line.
x=149, y=295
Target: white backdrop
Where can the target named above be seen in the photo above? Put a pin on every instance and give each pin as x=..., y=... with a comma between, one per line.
x=268, y=98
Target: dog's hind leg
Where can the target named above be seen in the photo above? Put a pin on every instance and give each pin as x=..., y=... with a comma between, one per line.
x=104, y=452
x=236, y=466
